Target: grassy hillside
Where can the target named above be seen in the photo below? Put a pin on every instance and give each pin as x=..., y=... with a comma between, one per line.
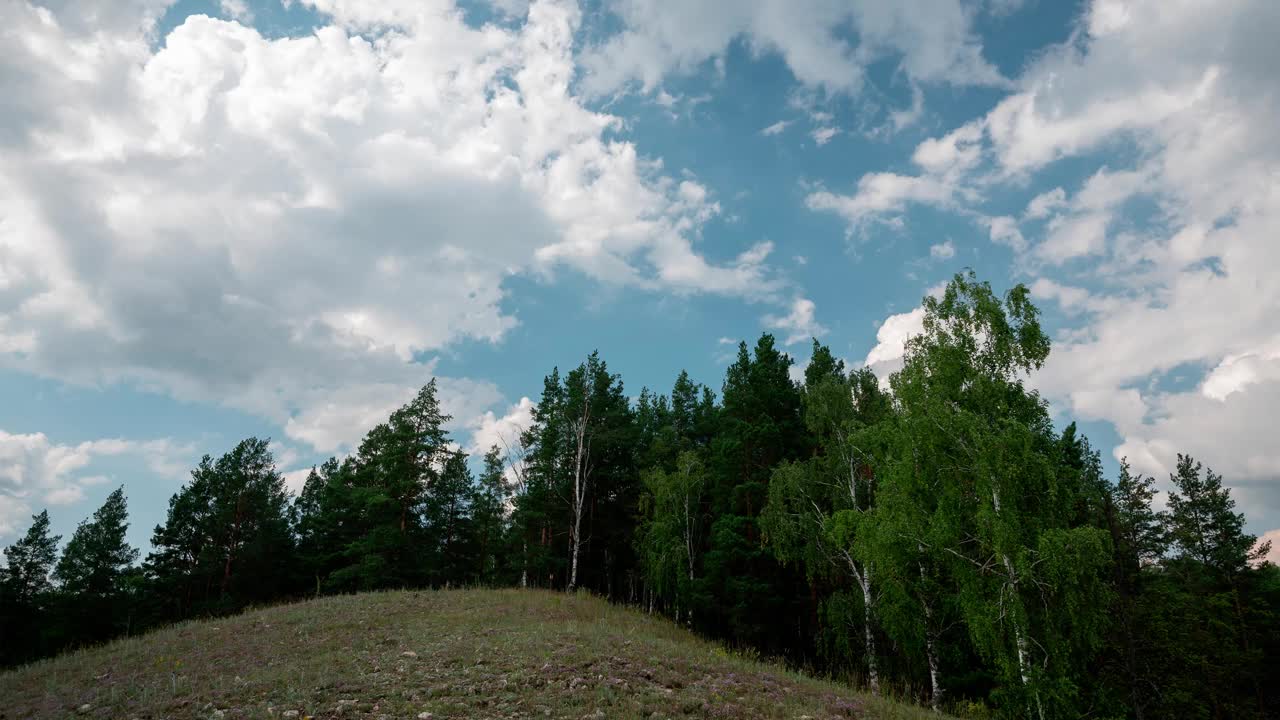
x=451, y=654
x=456, y=654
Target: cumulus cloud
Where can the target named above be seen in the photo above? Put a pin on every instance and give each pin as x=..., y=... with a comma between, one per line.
x=799, y=325
x=1045, y=203
x=279, y=224
x=931, y=40
x=943, y=250
x=1004, y=230
x=489, y=430
x=885, y=196
x=887, y=356
x=36, y=472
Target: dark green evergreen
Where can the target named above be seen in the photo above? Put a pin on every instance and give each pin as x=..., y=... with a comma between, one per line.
x=92, y=575
x=26, y=592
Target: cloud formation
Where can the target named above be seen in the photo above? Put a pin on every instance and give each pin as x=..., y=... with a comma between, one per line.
x=1190, y=294
x=280, y=224
x=930, y=41
x=36, y=472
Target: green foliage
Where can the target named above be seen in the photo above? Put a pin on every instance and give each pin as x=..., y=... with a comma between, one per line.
x=488, y=518
x=92, y=571
x=26, y=591
x=670, y=537
x=226, y=541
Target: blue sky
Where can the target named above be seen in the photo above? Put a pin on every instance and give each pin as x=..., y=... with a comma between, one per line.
x=223, y=218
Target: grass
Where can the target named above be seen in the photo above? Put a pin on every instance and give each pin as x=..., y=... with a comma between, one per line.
x=446, y=654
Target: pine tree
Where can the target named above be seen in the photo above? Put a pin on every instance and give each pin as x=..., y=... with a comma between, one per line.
x=449, y=535
x=91, y=573
x=24, y=591
x=488, y=517
x=397, y=466
x=1203, y=524
x=744, y=589
x=226, y=540
x=28, y=563
x=1214, y=647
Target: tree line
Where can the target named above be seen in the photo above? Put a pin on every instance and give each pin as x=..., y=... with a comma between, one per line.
x=936, y=537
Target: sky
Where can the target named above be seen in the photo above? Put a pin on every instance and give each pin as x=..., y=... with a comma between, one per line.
x=233, y=218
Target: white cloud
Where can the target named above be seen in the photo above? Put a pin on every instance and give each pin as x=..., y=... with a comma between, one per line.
x=1075, y=237
x=932, y=40
x=340, y=206
x=1004, y=231
x=1045, y=203
x=905, y=118
x=294, y=480
x=800, y=324
x=1272, y=536
x=887, y=356
x=942, y=251
x=954, y=152
x=1067, y=297
x=1237, y=372
x=884, y=196
x=823, y=135
x=776, y=128
x=488, y=430
x=35, y=471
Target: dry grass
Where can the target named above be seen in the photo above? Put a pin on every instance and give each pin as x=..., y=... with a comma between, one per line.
x=449, y=654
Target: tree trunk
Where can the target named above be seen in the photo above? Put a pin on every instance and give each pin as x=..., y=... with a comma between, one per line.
x=581, y=474
x=231, y=547
x=873, y=674
x=1020, y=634
x=930, y=647
x=524, y=564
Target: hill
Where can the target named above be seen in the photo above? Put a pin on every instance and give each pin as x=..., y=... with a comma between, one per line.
x=446, y=654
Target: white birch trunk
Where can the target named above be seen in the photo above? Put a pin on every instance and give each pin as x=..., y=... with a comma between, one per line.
x=524, y=564
x=1019, y=633
x=873, y=674
x=930, y=649
x=581, y=475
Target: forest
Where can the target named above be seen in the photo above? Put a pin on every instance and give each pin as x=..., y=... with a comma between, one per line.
x=934, y=537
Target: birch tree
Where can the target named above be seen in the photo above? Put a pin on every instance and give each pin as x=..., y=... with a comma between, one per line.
x=817, y=505
x=671, y=537
x=1028, y=582
x=581, y=392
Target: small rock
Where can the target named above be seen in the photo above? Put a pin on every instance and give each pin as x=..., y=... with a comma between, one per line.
x=84, y=708
x=409, y=654
x=289, y=714
x=424, y=716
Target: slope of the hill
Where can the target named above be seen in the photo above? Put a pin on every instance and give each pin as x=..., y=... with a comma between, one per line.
x=451, y=654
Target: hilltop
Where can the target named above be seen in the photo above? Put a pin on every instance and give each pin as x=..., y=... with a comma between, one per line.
x=430, y=654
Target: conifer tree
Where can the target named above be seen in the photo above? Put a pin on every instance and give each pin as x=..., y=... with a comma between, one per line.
x=25, y=589
x=91, y=572
x=488, y=516
x=744, y=589
x=226, y=540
